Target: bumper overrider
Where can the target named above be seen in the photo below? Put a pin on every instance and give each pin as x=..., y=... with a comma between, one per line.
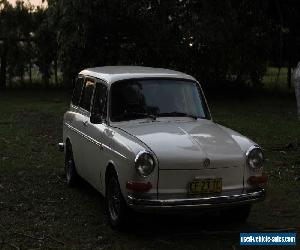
x=174, y=203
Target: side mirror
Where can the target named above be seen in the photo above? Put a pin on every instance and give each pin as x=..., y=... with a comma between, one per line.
x=96, y=119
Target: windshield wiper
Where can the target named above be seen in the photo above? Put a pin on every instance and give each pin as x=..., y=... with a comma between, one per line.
x=126, y=116
x=178, y=114
x=153, y=117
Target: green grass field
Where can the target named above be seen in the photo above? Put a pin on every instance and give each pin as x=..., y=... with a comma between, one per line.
x=38, y=210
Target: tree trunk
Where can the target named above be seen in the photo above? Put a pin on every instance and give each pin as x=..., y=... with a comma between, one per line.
x=46, y=80
x=55, y=72
x=30, y=73
x=289, y=76
x=22, y=78
x=297, y=88
x=280, y=38
x=3, y=69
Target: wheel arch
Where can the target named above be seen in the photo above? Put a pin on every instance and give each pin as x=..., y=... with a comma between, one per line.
x=68, y=140
x=109, y=170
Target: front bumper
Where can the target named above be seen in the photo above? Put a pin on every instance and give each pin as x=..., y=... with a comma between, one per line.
x=223, y=200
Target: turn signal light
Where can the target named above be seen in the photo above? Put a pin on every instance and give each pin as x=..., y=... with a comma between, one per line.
x=138, y=186
x=257, y=180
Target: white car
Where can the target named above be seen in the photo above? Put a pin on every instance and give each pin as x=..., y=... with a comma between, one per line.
x=145, y=139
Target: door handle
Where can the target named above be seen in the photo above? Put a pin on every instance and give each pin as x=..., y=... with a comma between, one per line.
x=85, y=123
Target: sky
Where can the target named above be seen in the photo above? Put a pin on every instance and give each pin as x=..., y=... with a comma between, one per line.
x=34, y=2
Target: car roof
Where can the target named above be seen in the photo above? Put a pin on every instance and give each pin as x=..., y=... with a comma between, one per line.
x=112, y=74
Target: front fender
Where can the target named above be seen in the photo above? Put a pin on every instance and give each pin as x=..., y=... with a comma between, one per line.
x=123, y=150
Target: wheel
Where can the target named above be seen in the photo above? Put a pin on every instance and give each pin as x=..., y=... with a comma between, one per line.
x=72, y=177
x=237, y=215
x=116, y=209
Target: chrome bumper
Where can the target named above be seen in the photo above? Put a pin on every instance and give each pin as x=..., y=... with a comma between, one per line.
x=141, y=204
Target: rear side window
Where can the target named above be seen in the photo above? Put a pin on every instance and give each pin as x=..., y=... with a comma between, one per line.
x=77, y=91
x=88, y=90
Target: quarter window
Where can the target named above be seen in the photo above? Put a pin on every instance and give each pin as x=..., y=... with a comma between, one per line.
x=100, y=100
x=77, y=91
x=88, y=90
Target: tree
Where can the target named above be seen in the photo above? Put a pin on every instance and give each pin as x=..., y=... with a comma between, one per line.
x=297, y=88
x=284, y=14
x=45, y=43
x=15, y=28
x=214, y=40
x=7, y=36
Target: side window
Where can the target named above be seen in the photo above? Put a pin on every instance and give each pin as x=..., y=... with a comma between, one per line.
x=100, y=100
x=88, y=90
x=77, y=91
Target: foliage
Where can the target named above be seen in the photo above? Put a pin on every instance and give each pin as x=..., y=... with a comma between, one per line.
x=211, y=39
x=28, y=37
x=285, y=33
x=214, y=40
x=45, y=42
x=15, y=28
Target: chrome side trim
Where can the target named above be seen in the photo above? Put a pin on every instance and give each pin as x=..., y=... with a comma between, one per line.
x=92, y=140
x=197, y=202
x=84, y=135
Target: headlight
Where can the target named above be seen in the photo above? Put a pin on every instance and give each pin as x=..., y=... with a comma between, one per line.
x=144, y=163
x=255, y=158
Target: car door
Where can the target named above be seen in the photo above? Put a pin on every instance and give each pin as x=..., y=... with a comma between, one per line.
x=82, y=120
x=74, y=123
x=96, y=148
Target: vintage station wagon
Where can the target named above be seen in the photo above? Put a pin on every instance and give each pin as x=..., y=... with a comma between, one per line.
x=145, y=139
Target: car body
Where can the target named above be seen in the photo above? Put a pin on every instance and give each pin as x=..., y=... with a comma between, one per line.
x=145, y=139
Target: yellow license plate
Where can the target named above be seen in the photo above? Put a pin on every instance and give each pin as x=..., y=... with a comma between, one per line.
x=205, y=186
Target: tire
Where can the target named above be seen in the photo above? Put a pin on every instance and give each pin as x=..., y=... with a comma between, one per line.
x=72, y=177
x=116, y=208
x=237, y=215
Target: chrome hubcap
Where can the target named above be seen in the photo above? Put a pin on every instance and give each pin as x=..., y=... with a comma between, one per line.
x=68, y=170
x=69, y=166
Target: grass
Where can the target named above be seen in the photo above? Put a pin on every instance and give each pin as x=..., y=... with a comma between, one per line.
x=274, y=81
x=38, y=210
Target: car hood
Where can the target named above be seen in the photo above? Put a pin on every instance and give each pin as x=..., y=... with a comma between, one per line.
x=186, y=145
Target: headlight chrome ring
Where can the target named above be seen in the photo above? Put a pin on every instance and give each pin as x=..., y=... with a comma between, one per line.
x=255, y=158
x=144, y=163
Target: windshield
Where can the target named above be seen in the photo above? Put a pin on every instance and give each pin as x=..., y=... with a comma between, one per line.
x=140, y=98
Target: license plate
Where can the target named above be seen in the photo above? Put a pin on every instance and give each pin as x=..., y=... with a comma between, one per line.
x=205, y=186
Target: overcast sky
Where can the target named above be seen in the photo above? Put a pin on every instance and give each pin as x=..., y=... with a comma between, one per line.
x=34, y=2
